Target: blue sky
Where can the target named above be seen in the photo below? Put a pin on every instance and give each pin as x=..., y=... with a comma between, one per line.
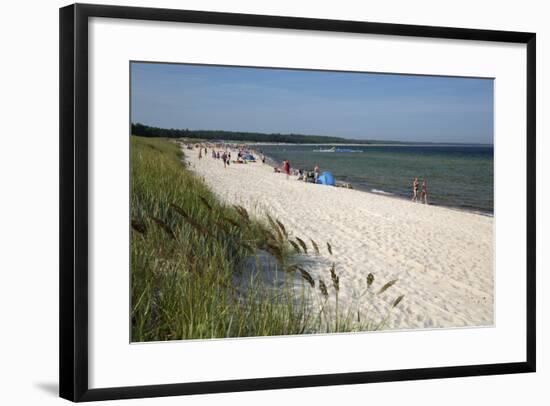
x=349, y=105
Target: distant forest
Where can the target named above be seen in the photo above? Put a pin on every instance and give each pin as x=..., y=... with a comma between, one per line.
x=147, y=131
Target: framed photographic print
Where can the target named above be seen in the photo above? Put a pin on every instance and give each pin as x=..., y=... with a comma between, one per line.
x=256, y=202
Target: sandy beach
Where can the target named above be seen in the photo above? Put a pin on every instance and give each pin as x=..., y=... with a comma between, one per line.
x=441, y=257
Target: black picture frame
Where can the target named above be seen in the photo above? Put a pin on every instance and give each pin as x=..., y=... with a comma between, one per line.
x=73, y=276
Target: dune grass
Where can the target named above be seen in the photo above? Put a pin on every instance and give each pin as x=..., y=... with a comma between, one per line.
x=186, y=252
x=187, y=256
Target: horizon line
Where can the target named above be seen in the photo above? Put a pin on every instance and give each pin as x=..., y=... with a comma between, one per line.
x=317, y=135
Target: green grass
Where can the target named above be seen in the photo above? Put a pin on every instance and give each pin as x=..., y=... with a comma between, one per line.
x=188, y=251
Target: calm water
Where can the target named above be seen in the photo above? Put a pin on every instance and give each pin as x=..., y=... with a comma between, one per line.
x=457, y=176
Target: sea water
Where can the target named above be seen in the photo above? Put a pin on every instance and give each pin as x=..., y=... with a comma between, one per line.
x=459, y=176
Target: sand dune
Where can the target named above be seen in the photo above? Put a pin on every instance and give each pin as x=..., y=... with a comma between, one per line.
x=442, y=258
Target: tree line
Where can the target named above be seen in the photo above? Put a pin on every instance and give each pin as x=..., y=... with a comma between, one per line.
x=148, y=131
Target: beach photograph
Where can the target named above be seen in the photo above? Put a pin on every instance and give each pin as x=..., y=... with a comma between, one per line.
x=281, y=202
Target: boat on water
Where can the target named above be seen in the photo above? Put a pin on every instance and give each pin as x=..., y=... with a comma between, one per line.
x=348, y=150
x=334, y=149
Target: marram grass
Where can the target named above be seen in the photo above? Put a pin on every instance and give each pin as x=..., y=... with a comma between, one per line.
x=187, y=256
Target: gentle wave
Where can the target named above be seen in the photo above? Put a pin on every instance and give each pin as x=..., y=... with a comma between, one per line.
x=347, y=150
x=381, y=192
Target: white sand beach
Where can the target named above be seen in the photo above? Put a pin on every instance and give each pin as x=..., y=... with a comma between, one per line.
x=441, y=257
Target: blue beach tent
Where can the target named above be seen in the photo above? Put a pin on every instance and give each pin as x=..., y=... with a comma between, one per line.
x=326, y=178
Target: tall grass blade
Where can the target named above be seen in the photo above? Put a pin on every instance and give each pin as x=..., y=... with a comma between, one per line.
x=164, y=227
x=370, y=280
x=398, y=300
x=323, y=288
x=242, y=212
x=335, y=278
x=295, y=246
x=139, y=226
x=205, y=202
x=315, y=246
x=189, y=219
x=302, y=244
x=387, y=286
x=283, y=229
x=307, y=276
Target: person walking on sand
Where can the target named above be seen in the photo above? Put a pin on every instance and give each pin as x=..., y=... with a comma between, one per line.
x=415, y=189
x=424, y=192
x=286, y=168
x=200, y=153
x=224, y=158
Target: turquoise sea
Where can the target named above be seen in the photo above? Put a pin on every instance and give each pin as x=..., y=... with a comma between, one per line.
x=459, y=176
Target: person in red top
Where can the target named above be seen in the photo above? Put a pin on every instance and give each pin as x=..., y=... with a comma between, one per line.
x=286, y=167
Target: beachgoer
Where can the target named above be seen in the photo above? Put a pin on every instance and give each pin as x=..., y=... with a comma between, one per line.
x=200, y=153
x=415, y=189
x=424, y=192
x=316, y=172
x=286, y=167
x=224, y=158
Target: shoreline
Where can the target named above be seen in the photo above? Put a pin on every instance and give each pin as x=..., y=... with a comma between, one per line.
x=363, y=145
x=441, y=257
x=272, y=162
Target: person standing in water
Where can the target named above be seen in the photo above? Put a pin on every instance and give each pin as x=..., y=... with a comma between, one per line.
x=415, y=189
x=424, y=192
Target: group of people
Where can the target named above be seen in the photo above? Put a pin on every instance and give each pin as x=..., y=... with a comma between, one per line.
x=309, y=176
x=224, y=156
x=423, y=193
x=243, y=155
